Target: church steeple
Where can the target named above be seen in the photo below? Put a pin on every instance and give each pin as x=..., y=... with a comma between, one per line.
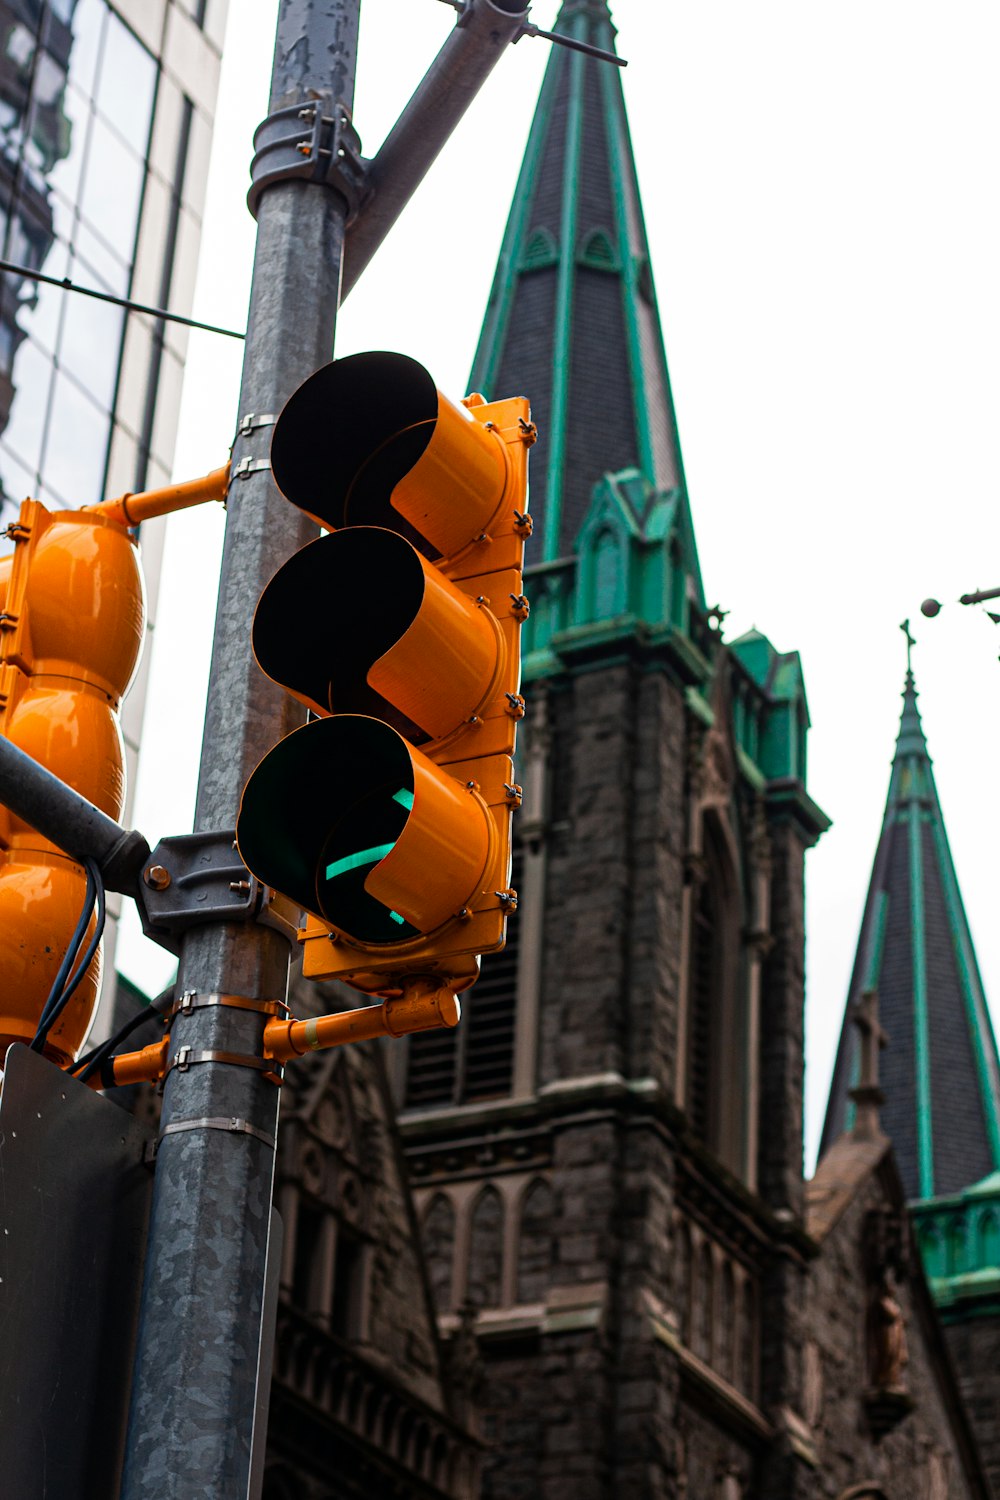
x=941, y=1077
x=572, y=317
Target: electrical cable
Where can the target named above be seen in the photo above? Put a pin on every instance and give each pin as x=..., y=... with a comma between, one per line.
x=97, y=1056
x=92, y=947
x=72, y=950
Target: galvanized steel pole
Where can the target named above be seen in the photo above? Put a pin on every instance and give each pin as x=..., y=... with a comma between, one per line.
x=193, y=1396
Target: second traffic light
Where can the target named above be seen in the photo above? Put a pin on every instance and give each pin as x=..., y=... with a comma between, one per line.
x=388, y=820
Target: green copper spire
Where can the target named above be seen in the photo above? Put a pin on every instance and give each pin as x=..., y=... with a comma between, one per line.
x=941, y=1074
x=572, y=319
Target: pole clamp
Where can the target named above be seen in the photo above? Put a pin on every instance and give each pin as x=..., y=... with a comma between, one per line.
x=311, y=142
x=231, y=1124
x=253, y=420
x=246, y=467
x=186, y=1057
x=194, y=1000
x=199, y=877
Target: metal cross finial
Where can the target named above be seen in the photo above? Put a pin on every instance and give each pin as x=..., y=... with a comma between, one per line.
x=867, y=1094
x=910, y=643
x=873, y=1038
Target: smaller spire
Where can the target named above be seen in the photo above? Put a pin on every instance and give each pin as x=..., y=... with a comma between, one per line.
x=942, y=1079
x=911, y=739
x=866, y=1094
x=910, y=643
x=597, y=11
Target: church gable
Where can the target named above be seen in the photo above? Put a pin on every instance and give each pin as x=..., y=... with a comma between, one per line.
x=635, y=568
x=879, y=1395
x=359, y=1390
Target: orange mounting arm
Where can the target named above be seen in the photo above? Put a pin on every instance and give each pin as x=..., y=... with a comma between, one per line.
x=129, y=510
x=145, y=1066
x=426, y=1004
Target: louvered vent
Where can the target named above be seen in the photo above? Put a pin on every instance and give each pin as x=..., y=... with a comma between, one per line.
x=431, y=1074
x=476, y=1060
x=489, y=1021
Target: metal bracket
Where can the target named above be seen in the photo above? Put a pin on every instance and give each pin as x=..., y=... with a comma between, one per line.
x=248, y=466
x=315, y=142
x=253, y=420
x=232, y=1125
x=193, y=878
x=194, y=1000
x=187, y=1057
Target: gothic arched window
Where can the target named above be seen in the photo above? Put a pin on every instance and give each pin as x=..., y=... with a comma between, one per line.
x=682, y=1293
x=717, y=1062
x=439, y=1250
x=486, y=1250
x=704, y=1297
x=534, y=1256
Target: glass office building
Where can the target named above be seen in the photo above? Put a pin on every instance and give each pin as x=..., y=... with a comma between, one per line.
x=106, y=113
x=105, y=123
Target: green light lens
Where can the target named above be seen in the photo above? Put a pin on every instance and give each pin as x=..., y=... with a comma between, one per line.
x=351, y=853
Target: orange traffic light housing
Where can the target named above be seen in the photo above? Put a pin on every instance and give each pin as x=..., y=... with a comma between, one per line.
x=388, y=819
x=72, y=616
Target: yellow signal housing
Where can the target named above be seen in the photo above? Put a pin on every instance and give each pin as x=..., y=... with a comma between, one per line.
x=389, y=819
x=72, y=616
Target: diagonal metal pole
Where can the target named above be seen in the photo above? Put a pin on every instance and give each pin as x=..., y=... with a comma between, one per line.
x=194, y=1381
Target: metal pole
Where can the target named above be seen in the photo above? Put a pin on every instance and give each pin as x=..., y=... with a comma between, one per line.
x=193, y=1395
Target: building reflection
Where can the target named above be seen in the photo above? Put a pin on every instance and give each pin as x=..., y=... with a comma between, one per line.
x=77, y=93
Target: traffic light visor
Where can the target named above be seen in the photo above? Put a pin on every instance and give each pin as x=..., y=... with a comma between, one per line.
x=360, y=622
x=363, y=830
x=369, y=440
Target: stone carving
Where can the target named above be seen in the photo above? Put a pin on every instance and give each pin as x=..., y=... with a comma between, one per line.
x=866, y=1094
x=937, y=1477
x=681, y=1462
x=887, y=1399
x=889, y=1351
x=812, y=1383
x=465, y=1367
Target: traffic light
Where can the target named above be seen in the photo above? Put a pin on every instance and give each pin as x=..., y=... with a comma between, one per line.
x=387, y=817
x=72, y=614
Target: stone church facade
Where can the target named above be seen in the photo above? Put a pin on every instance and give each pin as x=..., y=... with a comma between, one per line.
x=567, y=1252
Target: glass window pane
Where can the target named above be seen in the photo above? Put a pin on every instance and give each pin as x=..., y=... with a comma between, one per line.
x=16, y=61
x=91, y=343
x=65, y=174
x=32, y=374
x=126, y=85
x=97, y=266
x=89, y=17
x=41, y=305
x=50, y=129
x=112, y=185
x=75, y=446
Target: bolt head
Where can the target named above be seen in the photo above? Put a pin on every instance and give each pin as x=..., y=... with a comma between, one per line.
x=157, y=878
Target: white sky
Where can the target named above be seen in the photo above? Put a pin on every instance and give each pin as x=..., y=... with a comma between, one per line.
x=820, y=193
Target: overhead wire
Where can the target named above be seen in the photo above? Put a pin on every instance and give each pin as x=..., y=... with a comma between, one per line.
x=66, y=285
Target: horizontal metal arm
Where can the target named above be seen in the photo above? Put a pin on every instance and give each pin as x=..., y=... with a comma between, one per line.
x=69, y=820
x=480, y=36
